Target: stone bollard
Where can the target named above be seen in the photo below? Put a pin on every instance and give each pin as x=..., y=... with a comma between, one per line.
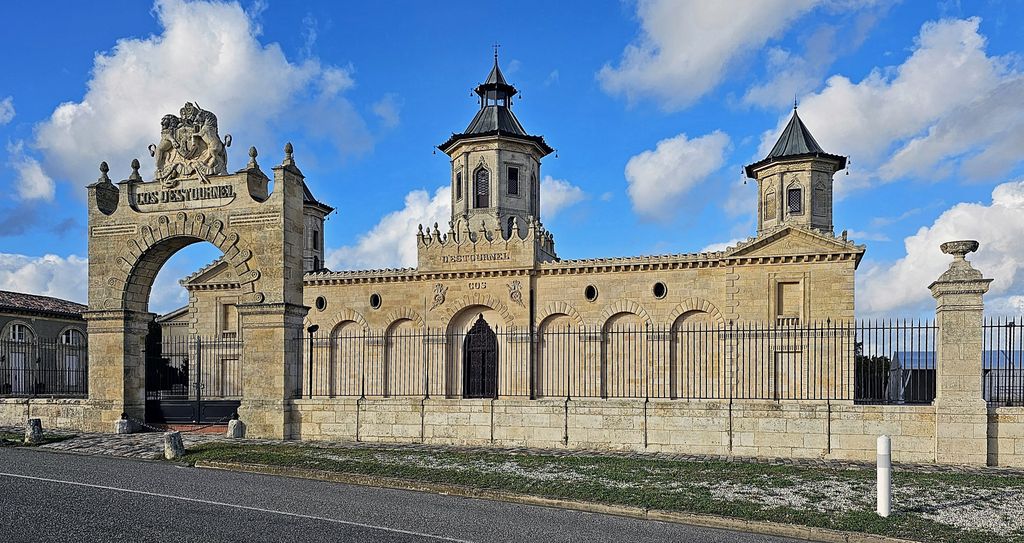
x=34, y=431
x=236, y=428
x=173, y=447
x=123, y=425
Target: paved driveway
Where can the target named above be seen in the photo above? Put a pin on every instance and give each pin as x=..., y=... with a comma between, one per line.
x=47, y=496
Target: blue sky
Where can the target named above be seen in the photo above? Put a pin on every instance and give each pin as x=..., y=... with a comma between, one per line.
x=654, y=108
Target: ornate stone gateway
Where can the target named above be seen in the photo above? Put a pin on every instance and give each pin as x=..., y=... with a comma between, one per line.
x=192, y=379
x=136, y=225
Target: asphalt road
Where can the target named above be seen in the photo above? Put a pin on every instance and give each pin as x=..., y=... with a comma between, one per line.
x=61, y=497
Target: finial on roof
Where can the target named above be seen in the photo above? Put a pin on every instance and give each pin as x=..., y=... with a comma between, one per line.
x=496, y=46
x=135, y=176
x=103, y=172
x=288, y=149
x=795, y=103
x=252, y=165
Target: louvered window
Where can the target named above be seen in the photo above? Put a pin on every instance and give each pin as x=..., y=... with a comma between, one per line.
x=794, y=200
x=482, y=188
x=513, y=181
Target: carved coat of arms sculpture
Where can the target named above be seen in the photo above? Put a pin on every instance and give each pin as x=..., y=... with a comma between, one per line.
x=189, y=146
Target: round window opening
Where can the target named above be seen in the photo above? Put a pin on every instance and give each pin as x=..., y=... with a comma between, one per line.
x=321, y=303
x=660, y=290
x=590, y=293
x=375, y=300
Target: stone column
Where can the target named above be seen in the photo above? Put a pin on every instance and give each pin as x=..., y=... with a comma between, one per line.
x=272, y=338
x=117, y=367
x=961, y=419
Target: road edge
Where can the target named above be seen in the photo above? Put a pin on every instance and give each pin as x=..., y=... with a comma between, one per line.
x=809, y=533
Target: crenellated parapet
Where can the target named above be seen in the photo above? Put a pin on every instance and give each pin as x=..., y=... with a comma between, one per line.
x=462, y=248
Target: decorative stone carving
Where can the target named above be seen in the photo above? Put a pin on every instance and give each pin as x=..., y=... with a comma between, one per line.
x=189, y=145
x=515, y=292
x=439, y=294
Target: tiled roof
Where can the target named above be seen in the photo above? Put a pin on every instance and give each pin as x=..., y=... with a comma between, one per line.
x=33, y=303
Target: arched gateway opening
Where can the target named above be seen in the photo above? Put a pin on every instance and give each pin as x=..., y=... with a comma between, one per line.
x=136, y=225
x=480, y=361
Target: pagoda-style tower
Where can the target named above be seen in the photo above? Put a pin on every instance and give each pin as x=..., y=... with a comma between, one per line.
x=795, y=181
x=495, y=164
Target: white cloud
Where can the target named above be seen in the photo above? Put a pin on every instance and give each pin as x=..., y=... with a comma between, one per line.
x=392, y=241
x=208, y=53
x=30, y=180
x=659, y=179
x=556, y=195
x=6, y=110
x=901, y=286
x=48, y=275
x=686, y=48
x=387, y=109
x=721, y=246
x=948, y=99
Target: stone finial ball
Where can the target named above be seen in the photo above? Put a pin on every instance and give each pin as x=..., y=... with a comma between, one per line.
x=252, y=152
x=288, y=148
x=959, y=248
x=103, y=167
x=135, y=164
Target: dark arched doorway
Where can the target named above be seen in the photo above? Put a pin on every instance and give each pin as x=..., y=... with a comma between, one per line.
x=480, y=361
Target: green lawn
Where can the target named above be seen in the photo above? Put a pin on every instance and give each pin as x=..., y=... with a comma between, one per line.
x=947, y=507
x=17, y=439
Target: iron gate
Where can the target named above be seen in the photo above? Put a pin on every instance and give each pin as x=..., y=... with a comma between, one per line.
x=192, y=379
x=480, y=355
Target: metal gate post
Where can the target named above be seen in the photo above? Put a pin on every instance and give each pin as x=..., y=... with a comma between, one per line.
x=199, y=380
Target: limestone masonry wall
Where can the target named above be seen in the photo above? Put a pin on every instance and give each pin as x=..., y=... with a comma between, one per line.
x=841, y=431
x=1006, y=436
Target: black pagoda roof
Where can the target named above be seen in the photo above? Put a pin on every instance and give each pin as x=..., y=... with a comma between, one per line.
x=796, y=141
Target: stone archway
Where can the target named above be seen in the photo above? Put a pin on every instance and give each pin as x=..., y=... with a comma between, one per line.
x=135, y=226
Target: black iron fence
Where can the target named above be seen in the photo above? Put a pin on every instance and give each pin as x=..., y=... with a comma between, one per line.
x=46, y=368
x=1002, y=361
x=866, y=361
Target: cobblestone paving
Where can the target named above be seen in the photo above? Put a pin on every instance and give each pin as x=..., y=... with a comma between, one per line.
x=150, y=445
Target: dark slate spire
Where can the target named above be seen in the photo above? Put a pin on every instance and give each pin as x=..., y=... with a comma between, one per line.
x=796, y=141
x=495, y=116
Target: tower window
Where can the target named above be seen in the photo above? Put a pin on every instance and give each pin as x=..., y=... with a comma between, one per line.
x=513, y=181
x=511, y=226
x=315, y=241
x=458, y=186
x=482, y=189
x=794, y=200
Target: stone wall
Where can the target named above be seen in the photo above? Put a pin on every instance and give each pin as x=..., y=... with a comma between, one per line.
x=64, y=414
x=1006, y=436
x=841, y=431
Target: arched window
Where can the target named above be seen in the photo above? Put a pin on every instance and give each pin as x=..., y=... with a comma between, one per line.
x=315, y=242
x=482, y=189
x=511, y=226
x=458, y=185
x=70, y=355
x=19, y=332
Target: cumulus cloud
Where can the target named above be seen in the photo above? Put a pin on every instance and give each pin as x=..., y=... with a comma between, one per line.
x=392, y=241
x=659, y=179
x=387, y=110
x=685, y=49
x=208, y=53
x=6, y=110
x=30, y=181
x=947, y=101
x=48, y=275
x=901, y=286
x=556, y=195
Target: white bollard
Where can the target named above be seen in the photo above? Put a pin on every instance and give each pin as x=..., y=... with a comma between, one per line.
x=34, y=431
x=884, y=476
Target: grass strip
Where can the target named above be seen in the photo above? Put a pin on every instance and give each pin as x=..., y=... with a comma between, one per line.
x=651, y=483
